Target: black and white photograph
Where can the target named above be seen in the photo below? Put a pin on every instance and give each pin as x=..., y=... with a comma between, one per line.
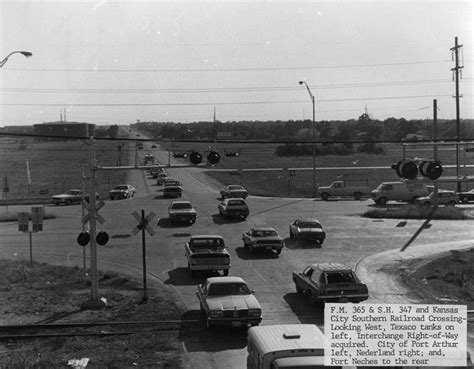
x=236, y=184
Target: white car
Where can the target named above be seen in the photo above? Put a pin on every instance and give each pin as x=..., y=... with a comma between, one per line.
x=124, y=191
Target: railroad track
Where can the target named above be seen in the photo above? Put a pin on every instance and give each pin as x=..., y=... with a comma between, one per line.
x=114, y=328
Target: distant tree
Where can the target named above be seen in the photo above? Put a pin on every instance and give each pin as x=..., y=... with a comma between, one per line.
x=112, y=131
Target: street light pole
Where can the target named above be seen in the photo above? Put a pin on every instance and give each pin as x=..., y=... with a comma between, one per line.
x=314, y=135
x=25, y=53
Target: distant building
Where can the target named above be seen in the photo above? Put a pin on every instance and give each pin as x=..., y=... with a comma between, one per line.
x=62, y=131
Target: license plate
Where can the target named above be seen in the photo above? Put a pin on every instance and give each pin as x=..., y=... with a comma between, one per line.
x=236, y=324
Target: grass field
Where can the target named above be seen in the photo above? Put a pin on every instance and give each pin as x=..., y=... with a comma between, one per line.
x=56, y=167
x=279, y=183
x=53, y=294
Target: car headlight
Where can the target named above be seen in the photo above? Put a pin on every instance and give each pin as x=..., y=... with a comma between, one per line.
x=255, y=312
x=216, y=313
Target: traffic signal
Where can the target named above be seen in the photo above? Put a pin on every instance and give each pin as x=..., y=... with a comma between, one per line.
x=409, y=169
x=406, y=169
x=195, y=157
x=431, y=169
x=213, y=157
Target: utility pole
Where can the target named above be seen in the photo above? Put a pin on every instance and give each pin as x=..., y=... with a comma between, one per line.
x=457, y=69
x=94, y=302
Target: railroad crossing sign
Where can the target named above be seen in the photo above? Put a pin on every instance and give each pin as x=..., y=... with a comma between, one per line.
x=23, y=222
x=99, y=204
x=143, y=223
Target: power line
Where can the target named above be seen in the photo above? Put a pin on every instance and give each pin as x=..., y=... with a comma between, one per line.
x=219, y=89
x=227, y=103
x=192, y=70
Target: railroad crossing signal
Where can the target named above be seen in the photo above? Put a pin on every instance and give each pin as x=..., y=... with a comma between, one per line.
x=98, y=206
x=143, y=223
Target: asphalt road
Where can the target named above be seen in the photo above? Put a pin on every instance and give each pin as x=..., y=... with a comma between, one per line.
x=351, y=239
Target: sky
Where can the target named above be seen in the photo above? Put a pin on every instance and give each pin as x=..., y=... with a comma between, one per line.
x=119, y=62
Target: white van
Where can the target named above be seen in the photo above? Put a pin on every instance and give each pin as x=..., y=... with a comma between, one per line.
x=399, y=191
x=284, y=346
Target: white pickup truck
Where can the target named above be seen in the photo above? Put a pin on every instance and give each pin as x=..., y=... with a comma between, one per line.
x=345, y=188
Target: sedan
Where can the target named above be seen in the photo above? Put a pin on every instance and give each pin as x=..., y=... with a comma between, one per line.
x=182, y=211
x=263, y=238
x=307, y=229
x=467, y=196
x=448, y=198
x=124, y=191
x=234, y=191
x=228, y=301
x=68, y=198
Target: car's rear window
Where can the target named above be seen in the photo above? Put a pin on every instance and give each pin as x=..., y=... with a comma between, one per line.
x=206, y=243
x=309, y=225
x=340, y=277
x=236, y=202
x=181, y=206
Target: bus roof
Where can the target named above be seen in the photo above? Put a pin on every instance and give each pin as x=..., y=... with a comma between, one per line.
x=287, y=337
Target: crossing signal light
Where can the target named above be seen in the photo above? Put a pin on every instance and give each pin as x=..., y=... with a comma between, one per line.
x=195, y=157
x=406, y=169
x=213, y=157
x=431, y=169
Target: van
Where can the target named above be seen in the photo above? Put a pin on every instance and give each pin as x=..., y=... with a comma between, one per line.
x=298, y=346
x=399, y=191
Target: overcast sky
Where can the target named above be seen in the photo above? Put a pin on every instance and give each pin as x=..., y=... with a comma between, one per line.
x=110, y=62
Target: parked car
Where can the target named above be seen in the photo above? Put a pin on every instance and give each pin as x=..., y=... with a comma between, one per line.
x=263, y=238
x=180, y=155
x=330, y=282
x=160, y=179
x=228, y=301
x=149, y=157
x=182, y=211
x=207, y=252
x=124, y=191
x=233, y=207
x=310, y=229
x=466, y=197
x=448, y=198
x=172, y=191
x=399, y=191
x=234, y=191
x=71, y=197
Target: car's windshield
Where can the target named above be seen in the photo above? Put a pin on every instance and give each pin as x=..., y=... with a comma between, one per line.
x=309, y=225
x=225, y=289
x=73, y=192
x=233, y=188
x=264, y=233
x=237, y=202
x=206, y=243
x=183, y=205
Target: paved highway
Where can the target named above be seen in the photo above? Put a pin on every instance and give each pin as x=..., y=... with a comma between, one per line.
x=351, y=239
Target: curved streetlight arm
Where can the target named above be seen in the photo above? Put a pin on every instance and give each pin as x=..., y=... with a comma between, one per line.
x=309, y=91
x=27, y=54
